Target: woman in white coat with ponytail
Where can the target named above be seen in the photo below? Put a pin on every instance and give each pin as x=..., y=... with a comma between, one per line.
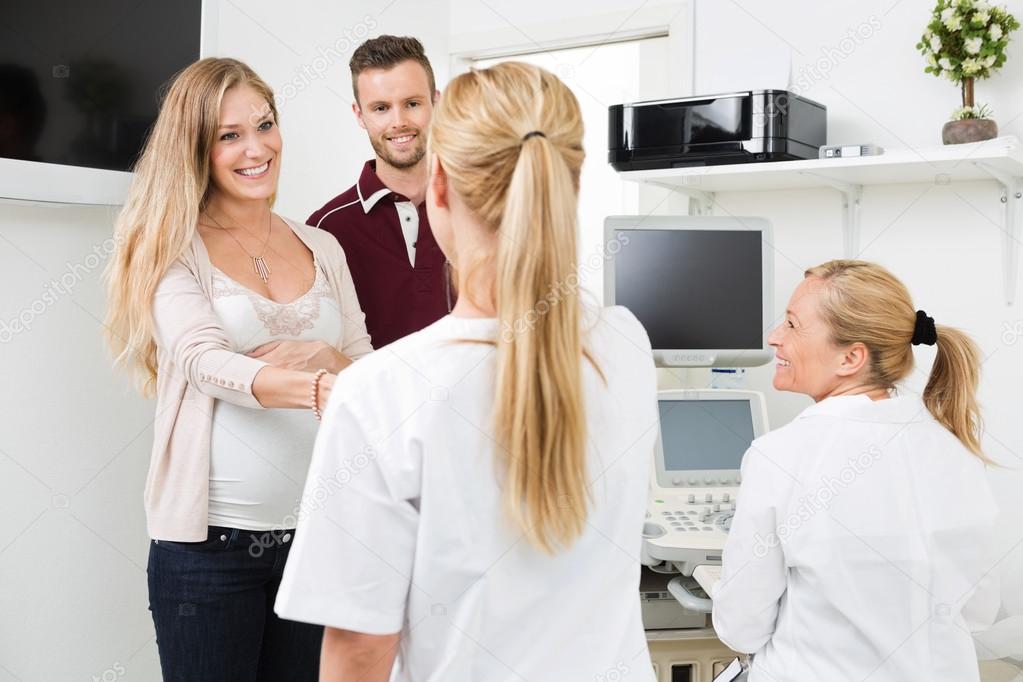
x=858, y=550
x=478, y=488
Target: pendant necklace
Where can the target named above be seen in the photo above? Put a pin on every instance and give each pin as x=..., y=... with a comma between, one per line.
x=262, y=269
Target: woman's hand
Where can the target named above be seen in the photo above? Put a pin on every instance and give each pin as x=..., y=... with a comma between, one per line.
x=304, y=356
x=323, y=390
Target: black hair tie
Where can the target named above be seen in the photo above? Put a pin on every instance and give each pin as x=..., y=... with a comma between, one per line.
x=924, y=331
x=532, y=133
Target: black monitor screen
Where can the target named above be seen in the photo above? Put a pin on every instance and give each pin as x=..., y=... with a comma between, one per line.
x=693, y=289
x=79, y=81
x=705, y=434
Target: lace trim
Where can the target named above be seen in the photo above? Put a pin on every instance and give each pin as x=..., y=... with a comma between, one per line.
x=279, y=319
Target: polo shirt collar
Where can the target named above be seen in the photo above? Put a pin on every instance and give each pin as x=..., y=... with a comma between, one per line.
x=369, y=187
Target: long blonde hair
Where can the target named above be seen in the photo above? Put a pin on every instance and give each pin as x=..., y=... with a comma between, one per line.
x=863, y=302
x=525, y=188
x=170, y=188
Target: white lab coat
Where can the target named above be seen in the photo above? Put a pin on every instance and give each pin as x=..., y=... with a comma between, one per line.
x=860, y=549
x=404, y=526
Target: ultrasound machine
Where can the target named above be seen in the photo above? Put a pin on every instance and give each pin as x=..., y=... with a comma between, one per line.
x=702, y=288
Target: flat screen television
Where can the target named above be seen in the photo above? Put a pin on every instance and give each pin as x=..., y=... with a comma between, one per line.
x=79, y=89
x=701, y=286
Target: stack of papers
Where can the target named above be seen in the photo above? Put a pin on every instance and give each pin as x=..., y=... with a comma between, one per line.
x=733, y=670
x=708, y=577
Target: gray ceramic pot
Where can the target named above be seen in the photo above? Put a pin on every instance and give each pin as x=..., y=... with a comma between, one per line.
x=969, y=130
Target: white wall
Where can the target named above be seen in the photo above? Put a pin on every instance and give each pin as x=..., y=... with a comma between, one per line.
x=74, y=444
x=74, y=447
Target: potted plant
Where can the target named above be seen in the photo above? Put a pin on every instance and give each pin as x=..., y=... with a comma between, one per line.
x=964, y=41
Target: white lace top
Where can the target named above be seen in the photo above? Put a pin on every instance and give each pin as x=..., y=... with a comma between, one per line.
x=259, y=458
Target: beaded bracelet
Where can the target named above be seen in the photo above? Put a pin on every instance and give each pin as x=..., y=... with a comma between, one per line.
x=314, y=394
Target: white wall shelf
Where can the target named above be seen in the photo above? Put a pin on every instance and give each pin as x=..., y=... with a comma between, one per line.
x=50, y=183
x=1000, y=159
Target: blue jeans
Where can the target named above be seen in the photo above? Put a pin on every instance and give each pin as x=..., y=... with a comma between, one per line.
x=212, y=605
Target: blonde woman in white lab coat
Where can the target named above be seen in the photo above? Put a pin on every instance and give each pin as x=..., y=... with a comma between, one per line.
x=859, y=546
x=477, y=493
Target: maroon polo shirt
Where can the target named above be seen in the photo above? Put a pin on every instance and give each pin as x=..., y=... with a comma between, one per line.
x=398, y=299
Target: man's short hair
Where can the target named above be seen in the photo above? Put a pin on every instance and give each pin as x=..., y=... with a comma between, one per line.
x=386, y=52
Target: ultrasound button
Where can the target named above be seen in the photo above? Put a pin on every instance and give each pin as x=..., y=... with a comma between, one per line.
x=652, y=530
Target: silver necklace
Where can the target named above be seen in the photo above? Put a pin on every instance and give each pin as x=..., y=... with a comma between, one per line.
x=262, y=269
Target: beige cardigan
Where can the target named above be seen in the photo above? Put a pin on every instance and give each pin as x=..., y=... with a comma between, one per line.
x=196, y=365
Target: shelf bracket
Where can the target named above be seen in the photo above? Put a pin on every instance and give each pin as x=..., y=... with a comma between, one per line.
x=1012, y=186
x=701, y=202
x=852, y=196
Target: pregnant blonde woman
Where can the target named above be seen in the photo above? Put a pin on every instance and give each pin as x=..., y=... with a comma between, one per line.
x=238, y=320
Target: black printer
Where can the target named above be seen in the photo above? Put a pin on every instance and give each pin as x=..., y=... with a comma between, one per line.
x=739, y=127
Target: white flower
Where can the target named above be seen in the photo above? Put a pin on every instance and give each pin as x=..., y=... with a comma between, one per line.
x=961, y=113
x=980, y=19
x=971, y=65
x=936, y=43
x=981, y=6
x=953, y=23
x=995, y=32
x=947, y=14
x=972, y=45
x=989, y=61
x=945, y=63
x=980, y=111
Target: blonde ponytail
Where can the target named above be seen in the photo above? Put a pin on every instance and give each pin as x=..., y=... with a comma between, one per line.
x=950, y=394
x=510, y=141
x=864, y=303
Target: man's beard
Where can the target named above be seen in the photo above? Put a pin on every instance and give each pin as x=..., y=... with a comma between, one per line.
x=383, y=150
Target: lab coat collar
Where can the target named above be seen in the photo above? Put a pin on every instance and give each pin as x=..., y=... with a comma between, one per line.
x=900, y=409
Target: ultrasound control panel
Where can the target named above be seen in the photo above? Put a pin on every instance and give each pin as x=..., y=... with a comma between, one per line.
x=704, y=516
x=704, y=435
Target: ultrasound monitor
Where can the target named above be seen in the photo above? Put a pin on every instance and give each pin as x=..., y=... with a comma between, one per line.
x=704, y=435
x=701, y=286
